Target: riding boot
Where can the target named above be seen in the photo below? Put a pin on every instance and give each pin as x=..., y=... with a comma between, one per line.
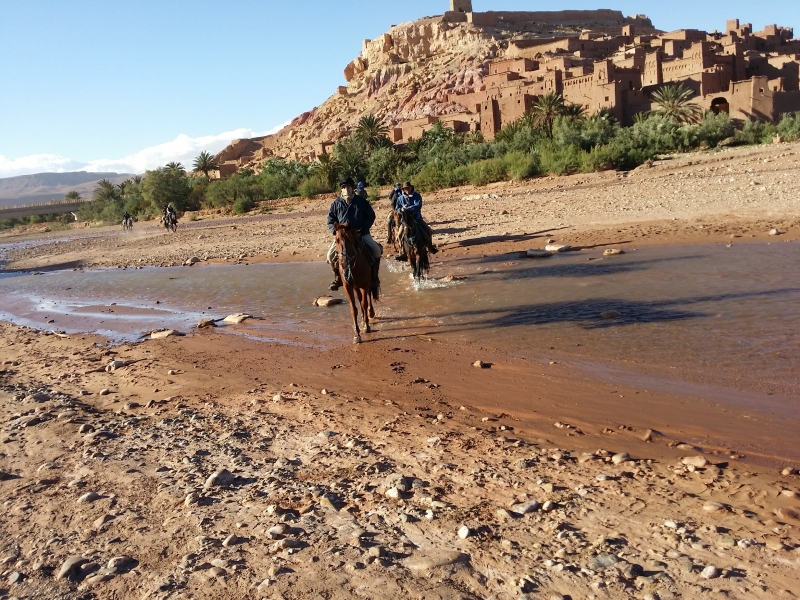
x=337, y=277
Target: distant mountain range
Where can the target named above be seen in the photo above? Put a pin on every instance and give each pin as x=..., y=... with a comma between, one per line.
x=44, y=187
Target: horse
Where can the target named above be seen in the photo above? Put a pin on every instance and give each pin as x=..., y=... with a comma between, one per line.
x=356, y=273
x=393, y=231
x=412, y=239
x=127, y=224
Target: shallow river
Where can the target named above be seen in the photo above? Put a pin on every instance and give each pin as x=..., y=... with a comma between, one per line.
x=713, y=315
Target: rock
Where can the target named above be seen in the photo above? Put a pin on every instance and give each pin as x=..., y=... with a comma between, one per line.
x=86, y=428
x=15, y=577
x=393, y=493
x=160, y=335
x=232, y=540
x=69, y=566
x=88, y=497
x=713, y=507
x=789, y=471
x=603, y=561
x=609, y=314
x=613, y=252
x=648, y=436
x=327, y=301
x=279, y=398
x=695, y=461
x=97, y=578
x=191, y=498
x=557, y=248
x=192, y=261
x=206, y=323
x=774, y=232
x=777, y=545
x=710, y=572
x=327, y=503
x=785, y=513
x=620, y=458
x=114, y=365
x=538, y=254
x=434, y=560
x=221, y=478
x=277, y=531
x=237, y=318
x=120, y=562
x=464, y=532
x=100, y=521
x=631, y=571
x=503, y=514
x=376, y=551
x=105, y=392
x=548, y=506
x=481, y=365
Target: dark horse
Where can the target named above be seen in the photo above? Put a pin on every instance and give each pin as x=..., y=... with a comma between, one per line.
x=356, y=272
x=412, y=239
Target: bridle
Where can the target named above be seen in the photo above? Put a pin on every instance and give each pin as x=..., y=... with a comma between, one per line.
x=348, y=257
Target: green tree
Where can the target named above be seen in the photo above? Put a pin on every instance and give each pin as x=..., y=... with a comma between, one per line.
x=175, y=166
x=105, y=191
x=165, y=185
x=351, y=154
x=546, y=109
x=372, y=132
x=574, y=112
x=205, y=163
x=327, y=167
x=675, y=103
x=73, y=195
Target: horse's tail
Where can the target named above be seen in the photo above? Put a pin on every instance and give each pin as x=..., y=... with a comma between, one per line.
x=424, y=261
x=376, y=292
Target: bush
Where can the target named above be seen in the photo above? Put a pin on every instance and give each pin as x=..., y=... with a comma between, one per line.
x=312, y=186
x=715, y=128
x=788, y=127
x=242, y=205
x=383, y=165
x=520, y=165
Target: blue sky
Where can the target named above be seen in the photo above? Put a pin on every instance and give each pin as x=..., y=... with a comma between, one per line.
x=108, y=85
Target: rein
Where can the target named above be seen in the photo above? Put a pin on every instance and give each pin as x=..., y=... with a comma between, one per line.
x=348, y=259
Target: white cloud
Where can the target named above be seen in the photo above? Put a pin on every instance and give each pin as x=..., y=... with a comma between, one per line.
x=182, y=149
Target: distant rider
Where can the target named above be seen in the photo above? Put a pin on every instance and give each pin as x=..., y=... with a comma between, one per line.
x=410, y=201
x=169, y=215
x=126, y=217
x=351, y=208
x=360, y=190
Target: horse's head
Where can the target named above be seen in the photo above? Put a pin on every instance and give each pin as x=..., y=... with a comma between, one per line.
x=346, y=236
x=407, y=218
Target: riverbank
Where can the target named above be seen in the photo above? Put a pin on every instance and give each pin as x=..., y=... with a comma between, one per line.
x=217, y=466
x=732, y=196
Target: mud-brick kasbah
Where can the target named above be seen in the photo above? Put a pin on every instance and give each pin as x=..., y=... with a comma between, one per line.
x=479, y=71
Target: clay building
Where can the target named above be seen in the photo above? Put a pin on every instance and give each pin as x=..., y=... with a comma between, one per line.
x=749, y=75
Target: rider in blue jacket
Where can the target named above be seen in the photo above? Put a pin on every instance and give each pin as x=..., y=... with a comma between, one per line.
x=411, y=201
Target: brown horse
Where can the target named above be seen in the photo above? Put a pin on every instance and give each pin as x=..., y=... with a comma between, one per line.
x=393, y=231
x=414, y=246
x=356, y=272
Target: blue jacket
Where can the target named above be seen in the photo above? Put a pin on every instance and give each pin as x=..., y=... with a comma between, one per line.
x=358, y=213
x=412, y=203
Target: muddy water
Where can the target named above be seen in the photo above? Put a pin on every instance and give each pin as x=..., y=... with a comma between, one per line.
x=724, y=317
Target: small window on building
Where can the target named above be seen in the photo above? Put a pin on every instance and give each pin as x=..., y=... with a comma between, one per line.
x=761, y=90
x=606, y=98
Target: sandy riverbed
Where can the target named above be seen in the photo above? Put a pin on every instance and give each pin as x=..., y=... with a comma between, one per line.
x=214, y=466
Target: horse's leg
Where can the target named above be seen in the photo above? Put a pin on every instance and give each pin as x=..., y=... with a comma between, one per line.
x=365, y=295
x=351, y=296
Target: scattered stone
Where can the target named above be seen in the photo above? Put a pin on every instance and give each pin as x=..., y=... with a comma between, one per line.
x=464, y=532
x=160, y=335
x=548, y=506
x=538, y=254
x=481, y=365
x=237, y=318
x=324, y=301
x=69, y=566
x=105, y=392
x=774, y=232
x=88, y=497
x=713, y=507
x=789, y=471
x=100, y=521
x=192, y=261
x=15, y=577
x=221, y=478
x=557, y=248
x=232, y=540
x=620, y=458
x=119, y=562
x=393, y=493
x=695, y=461
x=433, y=560
x=613, y=252
x=785, y=513
x=710, y=572
x=206, y=323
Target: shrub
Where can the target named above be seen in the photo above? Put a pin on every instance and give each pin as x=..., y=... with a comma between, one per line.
x=242, y=205
x=788, y=127
x=715, y=128
x=383, y=165
x=520, y=165
x=311, y=186
x=486, y=171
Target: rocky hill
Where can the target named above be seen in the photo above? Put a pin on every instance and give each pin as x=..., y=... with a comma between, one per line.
x=409, y=72
x=43, y=187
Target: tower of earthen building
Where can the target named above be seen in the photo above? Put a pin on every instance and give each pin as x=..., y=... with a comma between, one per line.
x=462, y=6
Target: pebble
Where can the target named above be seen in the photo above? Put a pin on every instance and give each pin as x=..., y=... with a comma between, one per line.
x=232, y=540
x=393, y=493
x=620, y=458
x=191, y=498
x=119, y=562
x=713, y=506
x=88, y=497
x=613, y=252
x=464, y=532
x=548, y=506
x=526, y=507
x=789, y=471
x=15, y=577
x=695, y=461
x=710, y=572
x=427, y=562
x=277, y=531
x=774, y=232
x=70, y=565
x=278, y=398
x=481, y=365
x=105, y=392
x=220, y=478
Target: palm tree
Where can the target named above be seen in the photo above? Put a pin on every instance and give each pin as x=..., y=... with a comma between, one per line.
x=121, y=188
x=574, y=112
x=175, y=167
x=105, y=191
x=546, y=109
x=205, y=163
x=136, y=180
x=507, y=133
x=327, y=167
x=73, y=195
x=674, y=102
x=372, y=132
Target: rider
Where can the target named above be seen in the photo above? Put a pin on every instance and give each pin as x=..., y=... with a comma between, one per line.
x=411, y=201
x=360, y=190
x=125, y=217
x=169, y=214
x=353, y=209
x=393, y=197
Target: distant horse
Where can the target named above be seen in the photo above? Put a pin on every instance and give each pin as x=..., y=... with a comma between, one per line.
x=393, y=231
x=412, y=239
x=356, y=273
x=127, y=224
